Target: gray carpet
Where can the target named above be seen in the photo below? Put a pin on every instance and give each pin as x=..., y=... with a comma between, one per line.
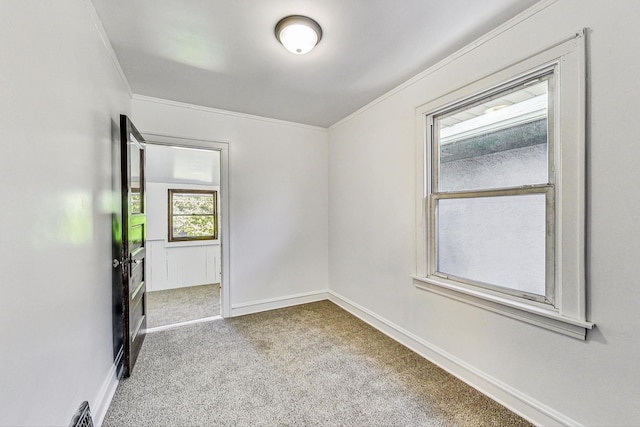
x=182, y=304
x=313, y=364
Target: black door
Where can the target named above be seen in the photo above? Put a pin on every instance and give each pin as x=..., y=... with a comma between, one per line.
x=131, y=320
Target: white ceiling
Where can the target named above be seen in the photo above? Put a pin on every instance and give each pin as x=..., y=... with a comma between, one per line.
x=223, y=53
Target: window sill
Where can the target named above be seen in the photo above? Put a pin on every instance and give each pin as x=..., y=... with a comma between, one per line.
x=188, y=243
x=542, y=317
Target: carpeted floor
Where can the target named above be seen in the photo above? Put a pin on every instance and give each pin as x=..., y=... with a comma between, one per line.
x=182, y=304
x=313, y=364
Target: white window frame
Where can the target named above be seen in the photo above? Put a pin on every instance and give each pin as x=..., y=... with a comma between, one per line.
x=566, y=311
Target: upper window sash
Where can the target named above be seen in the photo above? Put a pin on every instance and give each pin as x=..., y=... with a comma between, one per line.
x=433, y=141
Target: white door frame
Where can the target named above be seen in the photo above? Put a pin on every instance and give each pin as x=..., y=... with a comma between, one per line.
x=225, y=228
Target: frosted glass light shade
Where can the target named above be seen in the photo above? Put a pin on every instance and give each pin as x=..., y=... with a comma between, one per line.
x=298, y=34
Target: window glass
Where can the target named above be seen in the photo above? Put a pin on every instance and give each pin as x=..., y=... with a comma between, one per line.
x=500, y=141
x=136, y=171
x=497, y=241
x=192, y=215
x=193, y=226
x=135, y=200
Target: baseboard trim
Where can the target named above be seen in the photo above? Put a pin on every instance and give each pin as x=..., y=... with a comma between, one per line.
x=181, y=324
x=279, y=302
x=518, y=402
x=105, y=396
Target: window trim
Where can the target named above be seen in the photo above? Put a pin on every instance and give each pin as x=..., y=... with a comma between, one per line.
x=569, y=314
x=171, y=192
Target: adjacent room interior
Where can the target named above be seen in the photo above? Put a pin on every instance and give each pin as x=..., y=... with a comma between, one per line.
x=183, y=249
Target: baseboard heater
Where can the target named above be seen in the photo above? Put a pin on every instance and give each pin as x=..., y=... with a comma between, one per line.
x=82, y=417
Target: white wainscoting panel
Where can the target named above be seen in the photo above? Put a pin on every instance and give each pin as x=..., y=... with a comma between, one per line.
x=170, y=267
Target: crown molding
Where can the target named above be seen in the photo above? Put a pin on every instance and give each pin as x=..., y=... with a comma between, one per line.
x=95, y=18
x=211, y=110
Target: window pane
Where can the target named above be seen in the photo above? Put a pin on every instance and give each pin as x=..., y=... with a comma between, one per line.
x=192, y=203
x=500, y=142
x=193, y=226
x=135, y=201
x=498, y=241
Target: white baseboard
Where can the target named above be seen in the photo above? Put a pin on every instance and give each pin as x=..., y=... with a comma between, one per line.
x=181, y=324
x=105, y=396
x=523, y=405
x=279, y=302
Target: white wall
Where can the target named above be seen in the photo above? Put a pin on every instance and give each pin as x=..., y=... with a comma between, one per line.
x=182, y=166
x=372, y=168
x=278, y=196
x=60, y=94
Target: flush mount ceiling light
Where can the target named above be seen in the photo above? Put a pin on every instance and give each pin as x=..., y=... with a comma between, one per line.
x=298, y=34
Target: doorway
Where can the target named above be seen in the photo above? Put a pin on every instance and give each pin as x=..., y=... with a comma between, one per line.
x=187, y=231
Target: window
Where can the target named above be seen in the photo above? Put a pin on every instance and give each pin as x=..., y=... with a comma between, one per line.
x=491, y=204
x=192, y=215
x=501, y=193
